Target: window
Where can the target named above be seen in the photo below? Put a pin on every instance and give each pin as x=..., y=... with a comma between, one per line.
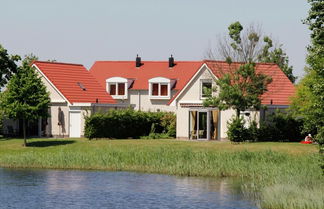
x=155, y=89
x=117, y=87
x=121, y=88
x=159, y=88
x=164, y=90
x=206, y=88
x=112, y=89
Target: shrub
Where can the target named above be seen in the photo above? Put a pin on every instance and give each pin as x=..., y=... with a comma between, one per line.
x=253, y=132
x=168, y=122
x=236, y=131
x=280, y=127
x=125, y=124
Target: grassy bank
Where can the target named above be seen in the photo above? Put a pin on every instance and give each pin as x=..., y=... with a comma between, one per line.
x=280, y=175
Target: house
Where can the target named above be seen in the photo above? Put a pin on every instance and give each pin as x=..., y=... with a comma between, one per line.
x=74, y=94
x=173, y=86
x=177, y=86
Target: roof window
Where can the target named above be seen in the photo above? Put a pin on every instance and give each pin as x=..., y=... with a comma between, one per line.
x=81, y=86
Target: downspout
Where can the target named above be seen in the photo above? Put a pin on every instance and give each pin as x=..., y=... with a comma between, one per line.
x=139, y=100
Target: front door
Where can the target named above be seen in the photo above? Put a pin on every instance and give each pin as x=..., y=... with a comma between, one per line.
x=75, y=124
x=203, y=124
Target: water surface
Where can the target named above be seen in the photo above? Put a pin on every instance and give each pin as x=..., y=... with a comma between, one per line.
x=65, y=189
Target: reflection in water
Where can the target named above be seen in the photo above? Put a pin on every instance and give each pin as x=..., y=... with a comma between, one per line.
x=66, y=189
x=58, y=181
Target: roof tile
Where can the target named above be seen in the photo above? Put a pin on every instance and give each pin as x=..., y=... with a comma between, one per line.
x=66, y=76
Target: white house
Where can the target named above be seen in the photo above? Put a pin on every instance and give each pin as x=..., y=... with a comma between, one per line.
x=174, y=86
x=178, y=87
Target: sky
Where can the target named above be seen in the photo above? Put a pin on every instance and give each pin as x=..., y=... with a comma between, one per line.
x=84, y=31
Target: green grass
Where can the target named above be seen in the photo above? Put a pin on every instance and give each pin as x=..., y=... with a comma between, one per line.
x=278, y=175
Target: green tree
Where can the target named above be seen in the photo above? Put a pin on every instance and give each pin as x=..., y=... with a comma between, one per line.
x=240, y=87
x=26, y=97
x=309, y=101
x=278, y=56
x=246, y=45
x=7, y=66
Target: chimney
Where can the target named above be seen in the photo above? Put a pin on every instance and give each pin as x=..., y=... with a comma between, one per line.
x=171, y=61
x=138, y=61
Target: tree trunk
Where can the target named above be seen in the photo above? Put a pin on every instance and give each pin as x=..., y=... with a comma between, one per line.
x=24, y=132
x=238, y=113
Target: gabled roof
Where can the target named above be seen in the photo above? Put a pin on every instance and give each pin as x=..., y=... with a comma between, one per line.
x=279, y=90
x=182, y=72
x=74, y=82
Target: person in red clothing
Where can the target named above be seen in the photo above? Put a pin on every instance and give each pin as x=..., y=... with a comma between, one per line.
x=309, y=138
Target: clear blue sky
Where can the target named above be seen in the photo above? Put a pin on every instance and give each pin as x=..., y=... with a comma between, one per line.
x=83, y=31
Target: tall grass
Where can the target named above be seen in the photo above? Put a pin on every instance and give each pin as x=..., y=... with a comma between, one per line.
x=275, y=178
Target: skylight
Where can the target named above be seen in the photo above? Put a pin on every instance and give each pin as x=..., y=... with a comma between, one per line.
x=81, y=86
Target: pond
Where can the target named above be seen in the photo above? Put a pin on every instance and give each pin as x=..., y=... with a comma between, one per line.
x=65, y=189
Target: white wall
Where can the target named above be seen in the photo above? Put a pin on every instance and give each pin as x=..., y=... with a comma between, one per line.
x=190, y=94
x=140, y=100
x=52, y=128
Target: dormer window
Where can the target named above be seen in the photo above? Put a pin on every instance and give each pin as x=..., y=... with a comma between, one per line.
x=117, y=87
x=160, y=88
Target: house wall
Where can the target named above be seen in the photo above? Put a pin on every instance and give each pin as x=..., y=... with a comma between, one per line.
x=190, y=94
x=52, y=128
x=140, y=100
x=53, y=93
x=10, y=126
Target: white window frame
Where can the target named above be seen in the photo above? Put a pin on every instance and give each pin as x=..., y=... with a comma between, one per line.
x=202, y=81
x=116, y=81
x=160, y=81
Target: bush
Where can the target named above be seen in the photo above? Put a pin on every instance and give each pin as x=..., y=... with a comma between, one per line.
x=168, y=122
x=127, y=123
x=236, y=131
x=278, y=127
x=281, y=127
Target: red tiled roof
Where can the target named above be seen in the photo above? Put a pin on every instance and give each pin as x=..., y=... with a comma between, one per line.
x=279, y=90
x=66, y=77
x=183, y=71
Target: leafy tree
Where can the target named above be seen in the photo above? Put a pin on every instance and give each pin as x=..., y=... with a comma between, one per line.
x=240, y=87
x=278, y=56
x=7, y=66
x=309, y=101
x=26, y=97
x=247, y=46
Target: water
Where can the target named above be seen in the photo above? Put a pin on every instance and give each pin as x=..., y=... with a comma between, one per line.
x=65, y=189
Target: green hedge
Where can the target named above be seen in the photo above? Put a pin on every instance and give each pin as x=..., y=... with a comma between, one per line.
x=121, y=124
x=278, y=127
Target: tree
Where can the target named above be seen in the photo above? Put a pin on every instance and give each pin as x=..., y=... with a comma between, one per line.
x=7, y=66
x=26, y=97
x=278, y=56
x=248, y=47
x=240, y=87
x=309, y=101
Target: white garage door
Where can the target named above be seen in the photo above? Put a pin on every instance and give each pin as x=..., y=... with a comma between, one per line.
x=75, y=124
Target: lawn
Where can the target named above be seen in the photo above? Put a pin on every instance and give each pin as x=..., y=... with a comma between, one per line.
x=278, y=174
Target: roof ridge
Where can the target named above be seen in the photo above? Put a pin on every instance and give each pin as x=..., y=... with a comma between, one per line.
x=60, y=63
x=160, y=61
x=257, y=63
